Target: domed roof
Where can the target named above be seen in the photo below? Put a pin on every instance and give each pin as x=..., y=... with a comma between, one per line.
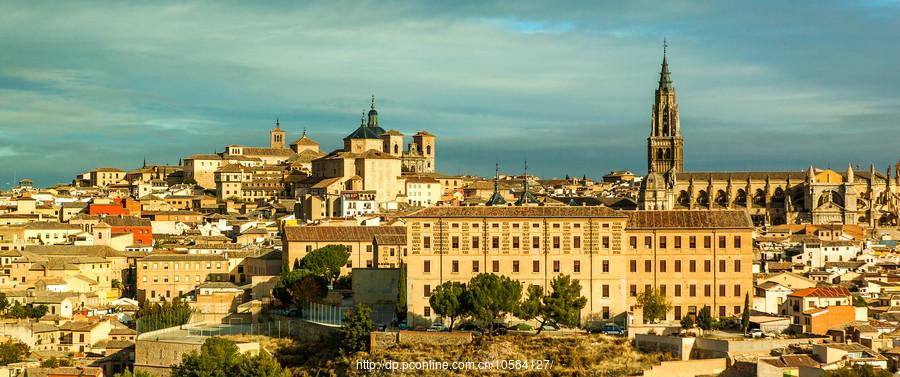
x=654, y=181
x=366, y=132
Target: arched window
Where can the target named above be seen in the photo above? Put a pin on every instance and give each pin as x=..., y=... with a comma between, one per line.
x=668, y=153
x=740, y=198
x=684, y=199
x=703, y=199
x=759, y=198
x=396, y=149
x=659, y=153
x=428, y=150
x=721, y=198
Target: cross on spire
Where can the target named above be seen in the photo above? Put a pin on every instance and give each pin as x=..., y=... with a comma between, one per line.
x=373, y=102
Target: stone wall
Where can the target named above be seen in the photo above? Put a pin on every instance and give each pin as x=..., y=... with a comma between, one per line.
x=687, y=368
x=679, y=348
x=378, y=340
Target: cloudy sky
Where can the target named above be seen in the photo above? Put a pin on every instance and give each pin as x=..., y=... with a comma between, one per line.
x=566, y=85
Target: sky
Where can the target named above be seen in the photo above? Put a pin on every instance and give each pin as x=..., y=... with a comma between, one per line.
x=566, y=85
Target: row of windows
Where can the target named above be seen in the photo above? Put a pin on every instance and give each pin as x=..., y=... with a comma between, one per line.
x=517, y=225
x=516, y=242
x=691, y=310
x=663, y=242
x=516, y=266
x=187, y=265
x=691, y=290
x=692, y=266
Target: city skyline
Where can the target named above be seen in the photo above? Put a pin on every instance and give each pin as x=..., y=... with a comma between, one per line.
x=570, y=92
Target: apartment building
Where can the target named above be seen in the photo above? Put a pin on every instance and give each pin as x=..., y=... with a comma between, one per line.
x=614, y=255
x=177, y=275
x=359, y=240
x=696, y=258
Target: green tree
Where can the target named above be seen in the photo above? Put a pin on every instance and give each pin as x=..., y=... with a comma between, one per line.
x=18, y=311
x=492, y=296
x=687, y=322
x=12, y=352
x=532, y=306
x=344, y=282
x=858, y=370
x=859, y=301
x=115, y=283
x=745, y=316
x=564, y=303
x=449, y=300
x=654, y=304
x=704, y=319
x=401, y=293
x=220, y=357
x=326, y=261
x=53, y=362
x=153, y=316
x=38, y=311
x=307, y=289
x=4, y=303
x=356, y=329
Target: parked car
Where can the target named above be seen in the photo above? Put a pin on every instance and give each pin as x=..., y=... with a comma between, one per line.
x=498, y=329
x=437, y=327
x=756, y=333
x=612, y=329
x=467, y=327
x=380, y=327
x=548, y=327
x=403, y=325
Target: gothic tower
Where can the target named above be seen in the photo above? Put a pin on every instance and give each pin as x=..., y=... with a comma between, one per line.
x=276, y=136
x=665, y=145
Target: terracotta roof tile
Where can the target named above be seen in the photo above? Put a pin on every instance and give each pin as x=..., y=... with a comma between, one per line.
x=339, y=233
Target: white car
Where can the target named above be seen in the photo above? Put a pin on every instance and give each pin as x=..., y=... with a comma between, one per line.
x=755, y=333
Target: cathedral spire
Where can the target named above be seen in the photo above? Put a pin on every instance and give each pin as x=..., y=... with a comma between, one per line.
x=665, y=81
x=496, y=198
x=277, y=123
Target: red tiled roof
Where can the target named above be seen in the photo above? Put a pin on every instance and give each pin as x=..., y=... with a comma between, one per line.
x=822, y=292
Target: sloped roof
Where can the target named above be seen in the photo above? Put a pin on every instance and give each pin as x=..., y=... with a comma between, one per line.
x=688, y=219
x=339, y=233
x=830, y=292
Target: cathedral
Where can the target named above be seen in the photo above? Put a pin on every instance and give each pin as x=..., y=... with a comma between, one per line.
x=817, y=196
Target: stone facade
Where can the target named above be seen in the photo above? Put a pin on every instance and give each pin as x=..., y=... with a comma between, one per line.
x=817, y=196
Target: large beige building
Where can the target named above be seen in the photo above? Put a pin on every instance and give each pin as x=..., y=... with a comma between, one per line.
x=177, y=275
x=817, y=196
x=359, y=241
x=614, y=255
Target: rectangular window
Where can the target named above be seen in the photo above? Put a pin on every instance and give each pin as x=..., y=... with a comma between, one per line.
x=454, y=242
x=427, y=311
x=692, y=242
x=633, y=266
x=737, y=266
x=427, y=267
x=556, y=242
x=369, y=247
x=737, y=290
x=707, y=290
x=677, y=290
x=606, y=312
x=515, y=240
x=515, y=266
x=605, y=241
x=576, y=242
x=605, y=266
x=722, y=243
x=454, y=266
x=427, y=290
x=535, y=242
x=605, y=290
x=722, y=265
x=536, y=266
x=632, y=242
x=707, y=242
x=495, y=242
x=474, y=266
x=632, y=290
x=662, y=242
x=556, y=266
x=707, y=265
x=426, y=242
x=693, y=266
x=662, y=289
x=496, y=266
x=692, y=290
x=721, y=290
x=577, y=267
x=662, y=266
x=648, y=242
x=677, y=313
x=677, y=242
x=677, y=265
x=737, y=242
x=648, y=266
x=721, y=311
x=475, y=243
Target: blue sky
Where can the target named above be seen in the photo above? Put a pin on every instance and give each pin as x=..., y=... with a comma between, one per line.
x=567, y=85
